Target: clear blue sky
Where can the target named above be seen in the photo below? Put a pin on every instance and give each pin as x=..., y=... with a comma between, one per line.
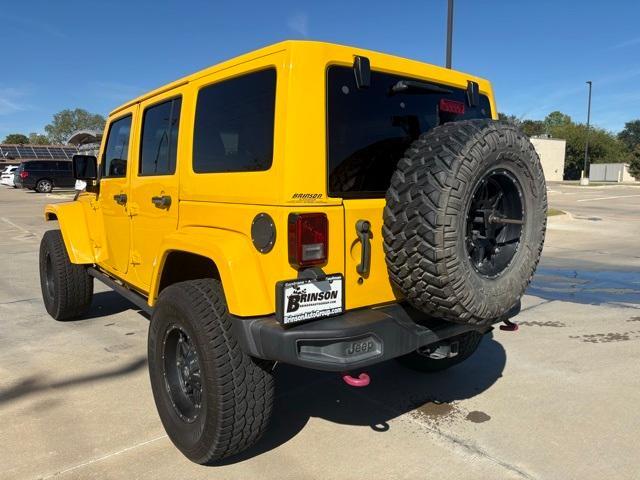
x=97, y=54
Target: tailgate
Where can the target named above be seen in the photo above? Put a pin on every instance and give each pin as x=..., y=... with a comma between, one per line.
x=374, y=287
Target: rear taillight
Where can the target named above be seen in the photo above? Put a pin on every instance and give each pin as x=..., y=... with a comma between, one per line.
x=24, y=174
x=451, y=106
x=308, y=239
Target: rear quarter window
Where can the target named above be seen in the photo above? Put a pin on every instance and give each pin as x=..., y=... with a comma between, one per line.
x=35, y=166
x=370, y=129
x=234, y=124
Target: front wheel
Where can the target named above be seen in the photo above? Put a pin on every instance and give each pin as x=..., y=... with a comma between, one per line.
x=213, y=399
x=67, y=288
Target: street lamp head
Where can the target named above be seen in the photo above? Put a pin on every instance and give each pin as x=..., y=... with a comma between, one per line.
x=589, y=82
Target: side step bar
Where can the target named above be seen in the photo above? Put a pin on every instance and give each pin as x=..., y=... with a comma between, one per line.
x=134, y=297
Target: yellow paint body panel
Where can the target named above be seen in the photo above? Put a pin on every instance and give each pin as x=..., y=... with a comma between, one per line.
x=74, y=227
x=211, y=214
x=374, y=287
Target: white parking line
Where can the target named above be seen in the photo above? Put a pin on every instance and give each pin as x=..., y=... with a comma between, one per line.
x=104, y=457
x=606, y=198
x=22, y=229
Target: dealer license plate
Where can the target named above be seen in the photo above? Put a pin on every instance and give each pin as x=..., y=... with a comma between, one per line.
x=302, y=300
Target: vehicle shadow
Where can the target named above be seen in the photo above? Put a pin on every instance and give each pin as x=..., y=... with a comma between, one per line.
x=394, y=390
x=37, y=383
x=108, y=303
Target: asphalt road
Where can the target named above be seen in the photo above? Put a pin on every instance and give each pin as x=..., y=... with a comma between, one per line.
x=556, y=400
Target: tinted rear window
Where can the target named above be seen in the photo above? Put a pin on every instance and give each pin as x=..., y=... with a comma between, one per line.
x=39, y=166
x=370, y=129
x=234, y=124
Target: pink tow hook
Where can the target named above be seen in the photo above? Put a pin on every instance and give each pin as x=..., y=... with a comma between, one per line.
x=362, y=381
x=509, y=326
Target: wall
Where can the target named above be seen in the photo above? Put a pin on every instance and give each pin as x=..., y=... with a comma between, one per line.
x=610, y=172
x=551, y=152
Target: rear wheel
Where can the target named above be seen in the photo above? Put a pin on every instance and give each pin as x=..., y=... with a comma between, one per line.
x=44, y=186
x=67, y=288
x=213, y=399
x=422, y=359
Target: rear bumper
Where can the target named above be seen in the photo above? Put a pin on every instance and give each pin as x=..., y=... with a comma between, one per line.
x=352, y=340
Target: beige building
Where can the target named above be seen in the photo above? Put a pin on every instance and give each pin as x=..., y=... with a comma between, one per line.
x=551, y=152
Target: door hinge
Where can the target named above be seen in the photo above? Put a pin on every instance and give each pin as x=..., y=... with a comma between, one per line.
x=135, y=258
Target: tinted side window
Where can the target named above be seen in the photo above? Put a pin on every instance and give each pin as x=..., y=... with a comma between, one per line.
x=160, y=138
x=234, y=124
x=114, y=162
x=64, y=167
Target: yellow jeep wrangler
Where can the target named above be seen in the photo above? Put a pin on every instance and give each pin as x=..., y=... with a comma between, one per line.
x=308, y=203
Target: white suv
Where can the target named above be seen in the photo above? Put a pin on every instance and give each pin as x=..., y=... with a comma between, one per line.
x=6, y=178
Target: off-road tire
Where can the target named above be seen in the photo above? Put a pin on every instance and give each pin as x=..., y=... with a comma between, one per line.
x=467, y=344
x=237, y=390
x=67, y=288
x=44, y=185
x=426, y=213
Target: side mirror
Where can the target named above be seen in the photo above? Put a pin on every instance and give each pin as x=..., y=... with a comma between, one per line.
x=85, y=167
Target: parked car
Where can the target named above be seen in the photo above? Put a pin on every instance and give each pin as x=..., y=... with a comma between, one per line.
x=7, y=175
x=318, y=205
x=43, y=175
x=17, y=180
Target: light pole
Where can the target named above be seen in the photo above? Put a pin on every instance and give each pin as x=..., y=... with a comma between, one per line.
x=585, y=179
x=449, y=32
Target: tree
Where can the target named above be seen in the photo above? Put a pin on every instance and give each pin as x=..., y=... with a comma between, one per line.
x=630, y=134
x=512, y=119
x=634, y=162
x=532, y=127
x=68, y=121
x=38, y=139
x=556, y=119
x=16, y=138
x=604, y=147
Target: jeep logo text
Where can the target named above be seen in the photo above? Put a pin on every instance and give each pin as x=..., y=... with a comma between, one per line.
x=355, y=348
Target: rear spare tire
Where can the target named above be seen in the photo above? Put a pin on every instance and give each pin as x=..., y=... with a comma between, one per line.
x=465, y=220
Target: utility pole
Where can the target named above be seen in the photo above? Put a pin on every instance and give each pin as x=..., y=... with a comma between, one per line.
x=449, y=32
x=584, y=180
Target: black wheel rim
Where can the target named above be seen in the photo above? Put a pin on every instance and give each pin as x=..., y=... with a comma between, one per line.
x=495, y=222
x=182, y=375
x=48, y=276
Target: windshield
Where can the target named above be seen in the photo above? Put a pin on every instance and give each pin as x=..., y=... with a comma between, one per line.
x=370, y=129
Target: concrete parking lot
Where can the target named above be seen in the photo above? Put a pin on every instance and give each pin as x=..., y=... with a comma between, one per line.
x=556, y=400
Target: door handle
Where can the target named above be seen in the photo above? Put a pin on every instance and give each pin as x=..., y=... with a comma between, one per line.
x=121, y=198
x=363, y=229
x=163, y=201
